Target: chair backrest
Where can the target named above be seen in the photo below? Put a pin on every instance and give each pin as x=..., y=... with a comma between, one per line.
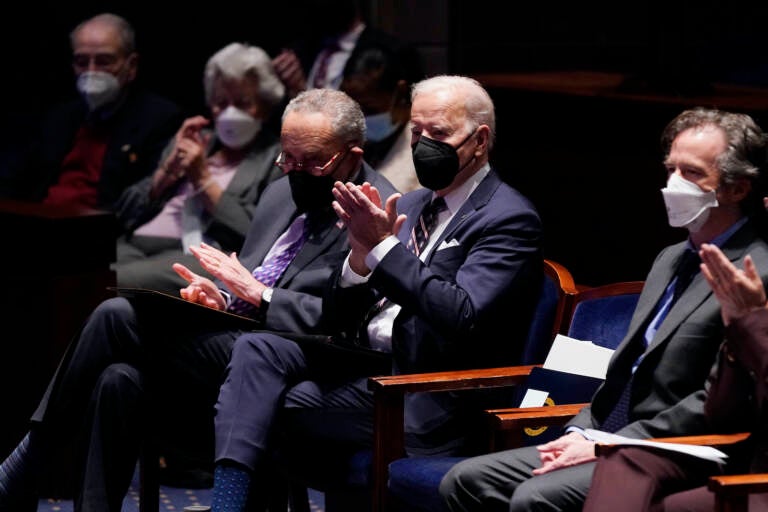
x=602, y=314
x=557, y=288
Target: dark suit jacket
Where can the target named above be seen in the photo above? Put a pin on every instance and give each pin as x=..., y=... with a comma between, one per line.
x=231, y=219
x=296, y=301
x=736, y=399
x=370, y=38
x=140, y=129
x=668, y=386
x=468, y=306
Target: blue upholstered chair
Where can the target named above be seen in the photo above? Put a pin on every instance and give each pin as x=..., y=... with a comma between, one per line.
x=599, y=314
x=351, y=490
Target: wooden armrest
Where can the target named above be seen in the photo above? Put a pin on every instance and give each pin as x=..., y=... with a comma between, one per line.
x=739, y=484
x=510, y=426
x=450, y=381
x=705, y=440
x=523, y=417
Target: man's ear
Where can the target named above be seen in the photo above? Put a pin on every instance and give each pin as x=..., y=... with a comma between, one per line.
x=483, y=138
x=132, y=63
x=738, y=190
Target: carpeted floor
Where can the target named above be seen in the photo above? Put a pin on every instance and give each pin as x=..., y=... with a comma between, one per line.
x=171, y=499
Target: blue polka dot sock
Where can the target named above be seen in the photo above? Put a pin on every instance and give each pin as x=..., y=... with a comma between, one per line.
x=18, y=474
x=230, y=488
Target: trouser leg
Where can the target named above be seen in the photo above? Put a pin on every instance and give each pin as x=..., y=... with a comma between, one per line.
x=261, y=369
x=111, y=440
x=504, y=481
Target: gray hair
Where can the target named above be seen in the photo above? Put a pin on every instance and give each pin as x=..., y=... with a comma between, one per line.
x=124, y=30
x=238, y=61
x=477, y=102
x=347, y=120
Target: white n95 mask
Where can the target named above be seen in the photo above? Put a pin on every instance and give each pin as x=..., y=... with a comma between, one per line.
x=235, y=128
x=687, y=205
x=98, y=88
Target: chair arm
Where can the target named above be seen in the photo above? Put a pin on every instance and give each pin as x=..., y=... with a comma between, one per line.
x=508, y=425
x=451, y=380
x=706, y=439
x=389, y=395
x=739, y=484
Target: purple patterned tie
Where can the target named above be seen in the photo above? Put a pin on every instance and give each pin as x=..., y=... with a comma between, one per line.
x=275, y=264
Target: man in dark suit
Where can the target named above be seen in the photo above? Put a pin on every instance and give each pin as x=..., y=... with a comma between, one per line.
x=438, y=302
x=88, y=150
x=334, y=45
x=129, y=348
x=654, y=385
x=636, y=479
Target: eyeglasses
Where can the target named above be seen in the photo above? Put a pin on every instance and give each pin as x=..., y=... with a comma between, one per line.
x=100, y=60
x=312, y=167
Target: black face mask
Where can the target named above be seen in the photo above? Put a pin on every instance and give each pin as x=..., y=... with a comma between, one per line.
x=436, y=162
x=311, y=192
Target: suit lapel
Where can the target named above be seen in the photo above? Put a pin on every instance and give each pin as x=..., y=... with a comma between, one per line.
x=477, y=199
x=699, y=290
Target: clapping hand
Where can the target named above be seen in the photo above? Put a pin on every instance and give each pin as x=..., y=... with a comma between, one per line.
x=200, y=290
x=368, y=222
x=228, y=269
x=738, y=291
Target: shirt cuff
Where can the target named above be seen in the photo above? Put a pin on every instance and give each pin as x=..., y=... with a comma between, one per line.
x=580, y=430
x=377, y=254
x=351, y=278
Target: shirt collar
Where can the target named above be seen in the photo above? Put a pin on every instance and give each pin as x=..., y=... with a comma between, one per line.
x=455, y=198
x=723, y=237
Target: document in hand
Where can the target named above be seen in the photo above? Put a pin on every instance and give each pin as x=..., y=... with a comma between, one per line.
x=703, y=452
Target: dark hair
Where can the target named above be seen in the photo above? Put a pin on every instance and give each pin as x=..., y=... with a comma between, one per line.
x=744, y=156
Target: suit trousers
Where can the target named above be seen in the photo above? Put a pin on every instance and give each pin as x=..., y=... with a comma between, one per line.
x=502, y=481
x=101, y=392
x=317, y=402
x=637, y=479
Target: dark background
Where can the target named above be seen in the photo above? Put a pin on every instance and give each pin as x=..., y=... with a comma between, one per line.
x=590, y=164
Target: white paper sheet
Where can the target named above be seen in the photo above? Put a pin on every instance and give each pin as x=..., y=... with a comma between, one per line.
x=577, y=356
x=703, y=452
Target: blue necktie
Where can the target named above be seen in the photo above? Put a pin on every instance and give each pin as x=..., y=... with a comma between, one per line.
x=686, y=270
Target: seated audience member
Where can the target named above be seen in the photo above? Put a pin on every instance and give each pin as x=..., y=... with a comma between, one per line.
x=90, y=149
x=379, y=80
x=131, y=356
x=208, y=182
x=431, y=277
x=655, y=382
x=639, y=479
x=336, y=36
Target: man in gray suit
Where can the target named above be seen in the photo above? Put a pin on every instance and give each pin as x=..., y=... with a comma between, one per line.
x=129, y=351
x=654, y=385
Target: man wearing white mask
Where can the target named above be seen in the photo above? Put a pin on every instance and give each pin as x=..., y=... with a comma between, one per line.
x=208, y=180
x=90, y=149
x=655, y=382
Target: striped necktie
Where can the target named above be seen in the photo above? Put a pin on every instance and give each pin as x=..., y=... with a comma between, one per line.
x=426, y=225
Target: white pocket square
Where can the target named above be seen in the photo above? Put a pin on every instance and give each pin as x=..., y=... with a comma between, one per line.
x=446, y=244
